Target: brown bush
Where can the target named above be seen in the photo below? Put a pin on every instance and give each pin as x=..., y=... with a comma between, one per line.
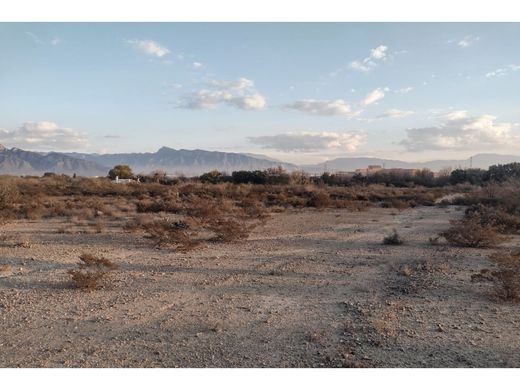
x=157, y=206
x=92, y=272
x=393, y=239
x=468, y=232
x=495, y=217
x=505, y=279
x=172, y=234
x=228, y=229
x=9, y=192
x=320, y=200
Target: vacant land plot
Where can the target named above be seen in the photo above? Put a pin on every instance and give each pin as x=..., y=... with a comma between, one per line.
x=306, y=289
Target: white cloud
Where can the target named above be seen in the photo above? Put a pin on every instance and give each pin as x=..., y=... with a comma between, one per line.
x=468, y=40
x=149, y=48
x=55, y=41
x=254, y=102
x=310, y=141
x=44, y=136
x=404, y=90
x=503, y=71
x=198, y=65
x=394, y=113
x=321, y=107
x=240, y=94
x=358, y=65
x=377, y=54
x=374, y=96
x=458, y=131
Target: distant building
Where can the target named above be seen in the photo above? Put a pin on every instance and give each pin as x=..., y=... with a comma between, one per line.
x=373, y=169
x=402, y=171
x=124, y=181
x=370, y=170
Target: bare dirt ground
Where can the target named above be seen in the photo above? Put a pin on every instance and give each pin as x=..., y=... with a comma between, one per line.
x=307, y=289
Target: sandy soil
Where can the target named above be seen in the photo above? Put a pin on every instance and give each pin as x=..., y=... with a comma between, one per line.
x=308, y=289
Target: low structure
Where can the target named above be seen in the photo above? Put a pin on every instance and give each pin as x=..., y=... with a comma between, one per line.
x=373, y=169
x=370, y=170
x=124, y=181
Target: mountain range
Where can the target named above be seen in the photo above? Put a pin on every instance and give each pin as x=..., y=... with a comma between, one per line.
x=16, y=161
x=350, y=164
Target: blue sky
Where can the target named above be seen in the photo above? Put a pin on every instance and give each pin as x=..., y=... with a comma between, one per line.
x=302, y=92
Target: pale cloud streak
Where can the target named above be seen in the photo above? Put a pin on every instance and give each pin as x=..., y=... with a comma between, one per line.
x=374, y=96
x=394, y=114
x=503, y=71
x=468, y=40
x=377, y=55
x=149, y=47
x=43, y=42
x=404, y=90
x=307, y=142
x=240, y=94
x=321, y=107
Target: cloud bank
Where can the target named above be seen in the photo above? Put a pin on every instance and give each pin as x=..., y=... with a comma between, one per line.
x=458, y=131
x=44, y=136
x=310, y=141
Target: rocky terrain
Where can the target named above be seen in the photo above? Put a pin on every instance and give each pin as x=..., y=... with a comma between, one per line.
x=307, y=289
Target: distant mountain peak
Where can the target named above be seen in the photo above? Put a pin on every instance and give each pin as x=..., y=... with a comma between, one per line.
x=165, y=149
x=16, y=161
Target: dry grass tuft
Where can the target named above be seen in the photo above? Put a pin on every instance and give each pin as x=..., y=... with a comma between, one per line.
x=92, y=272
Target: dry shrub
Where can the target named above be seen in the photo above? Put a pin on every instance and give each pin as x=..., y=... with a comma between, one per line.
x=505, y=279
x=393, y=239
x=172, y=234
x=320, y=200
x=397, y=204
x=9, y=192
x=468, y=232
x=228, y=229
x=135, y=224
x=253, y=208
x=92, y=272
x=157, y=206
x=499, y=219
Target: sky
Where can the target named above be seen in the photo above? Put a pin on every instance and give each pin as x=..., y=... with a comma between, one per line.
x=300, y=92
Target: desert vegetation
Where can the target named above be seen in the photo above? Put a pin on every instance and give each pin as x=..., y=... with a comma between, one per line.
x=360, y=264
x=92, y=272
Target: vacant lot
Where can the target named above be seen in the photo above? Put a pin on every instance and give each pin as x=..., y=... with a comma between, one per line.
x=306, y=289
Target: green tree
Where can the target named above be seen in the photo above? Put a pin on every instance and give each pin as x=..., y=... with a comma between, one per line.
x=121, y=171
x=211, y=177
